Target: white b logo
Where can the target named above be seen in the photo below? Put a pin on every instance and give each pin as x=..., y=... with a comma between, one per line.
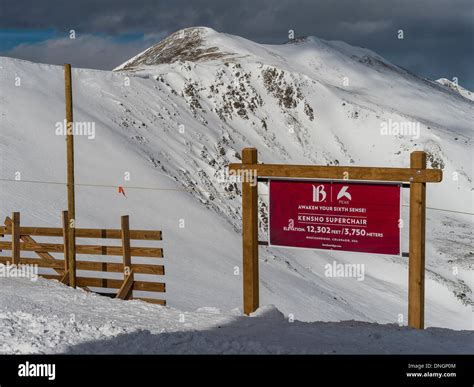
x=319, y=194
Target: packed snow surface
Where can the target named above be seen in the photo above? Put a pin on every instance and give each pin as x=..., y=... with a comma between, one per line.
x=48, y=317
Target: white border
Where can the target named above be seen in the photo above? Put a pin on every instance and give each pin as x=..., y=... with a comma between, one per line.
x=399, y=184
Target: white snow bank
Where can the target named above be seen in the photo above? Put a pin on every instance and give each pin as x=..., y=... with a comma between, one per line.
x=48, y=317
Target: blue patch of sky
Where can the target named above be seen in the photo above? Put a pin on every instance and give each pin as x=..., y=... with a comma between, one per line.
x=10, y=38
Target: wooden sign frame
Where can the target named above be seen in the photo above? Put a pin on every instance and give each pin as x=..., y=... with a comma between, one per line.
x=416, y=176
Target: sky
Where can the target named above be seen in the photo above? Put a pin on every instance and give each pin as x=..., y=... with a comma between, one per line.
x=437, y=39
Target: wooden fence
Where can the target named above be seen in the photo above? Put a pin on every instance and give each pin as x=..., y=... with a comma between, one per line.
x=22, y=240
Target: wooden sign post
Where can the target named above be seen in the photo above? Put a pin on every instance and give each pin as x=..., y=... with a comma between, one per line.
x=416, y=263
x=416, y=176
x=71, y=206
x=250, y=235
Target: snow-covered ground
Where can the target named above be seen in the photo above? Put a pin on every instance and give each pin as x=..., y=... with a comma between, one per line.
x=177, y=115
x=47, y=317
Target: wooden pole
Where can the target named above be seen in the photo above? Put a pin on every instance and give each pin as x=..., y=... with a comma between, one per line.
x=71, y=206
x=65, y=219
x=341, y=172
x=250, y=234
x=125, y=225
x=416, y=265
x=16, y=238
x=125, y=291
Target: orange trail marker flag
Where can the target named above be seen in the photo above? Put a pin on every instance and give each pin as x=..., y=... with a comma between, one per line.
x=121, y=191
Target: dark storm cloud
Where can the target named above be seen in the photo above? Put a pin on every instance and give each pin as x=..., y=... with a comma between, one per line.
x=438, y=33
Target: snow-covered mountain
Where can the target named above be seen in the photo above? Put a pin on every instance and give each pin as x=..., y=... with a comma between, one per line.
x=456, y=88
x=175, y=115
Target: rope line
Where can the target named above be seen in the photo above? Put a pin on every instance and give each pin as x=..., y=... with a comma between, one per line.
x=111, y=186
x=178, y=190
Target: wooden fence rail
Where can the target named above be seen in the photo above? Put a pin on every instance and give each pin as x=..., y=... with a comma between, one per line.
x=22, y=240
x=83, y=249
x=82, y=232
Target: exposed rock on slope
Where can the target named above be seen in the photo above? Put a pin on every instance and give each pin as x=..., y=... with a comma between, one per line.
x=183, y=45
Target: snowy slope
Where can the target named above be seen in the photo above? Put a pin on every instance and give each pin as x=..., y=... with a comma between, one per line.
x=47, y=317
x=176, y=115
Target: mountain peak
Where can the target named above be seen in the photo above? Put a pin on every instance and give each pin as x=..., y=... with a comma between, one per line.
x=454, y=86
x=188, y=44
x=203, y=44
x=300, y=39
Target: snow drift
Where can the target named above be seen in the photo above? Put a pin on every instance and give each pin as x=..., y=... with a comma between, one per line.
x=47, y=317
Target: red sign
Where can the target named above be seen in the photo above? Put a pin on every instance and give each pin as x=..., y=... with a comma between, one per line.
x=335, y=216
